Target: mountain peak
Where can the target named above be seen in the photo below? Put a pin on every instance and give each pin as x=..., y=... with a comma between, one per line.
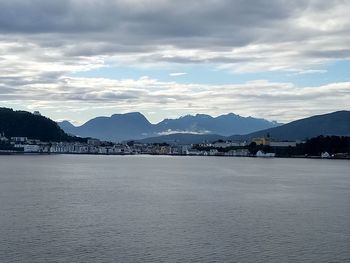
x=65, y=124
x=204, y=116
x=128, y=114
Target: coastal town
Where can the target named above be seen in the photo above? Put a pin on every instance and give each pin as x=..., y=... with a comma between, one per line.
x=257, y=147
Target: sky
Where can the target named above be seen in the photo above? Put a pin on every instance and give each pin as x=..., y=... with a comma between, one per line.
x=77, y=59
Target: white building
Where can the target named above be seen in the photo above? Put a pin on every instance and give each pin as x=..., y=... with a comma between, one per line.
x=325, y=155
x=238, y=152
x=29, y=148
x=262, y=154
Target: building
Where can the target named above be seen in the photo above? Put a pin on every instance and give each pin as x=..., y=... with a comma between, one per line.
x=30, y=148
x=262, y=154
x=94, y=142
x=325, y=155
x=238, y=152
x=19, y=139
x=226, y=144
x=261, y=141
x=283, y=144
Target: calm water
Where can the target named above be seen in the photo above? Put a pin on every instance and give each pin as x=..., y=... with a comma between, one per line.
x=173, y=209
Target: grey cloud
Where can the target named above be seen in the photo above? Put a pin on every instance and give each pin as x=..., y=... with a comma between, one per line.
x=183, y=23
x=42, y=42
x=331, y=54
x=87, y=28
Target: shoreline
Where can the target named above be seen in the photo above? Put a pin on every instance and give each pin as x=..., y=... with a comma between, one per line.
x=175, y=155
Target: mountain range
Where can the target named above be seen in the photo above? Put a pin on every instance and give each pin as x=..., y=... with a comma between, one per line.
x=121, y=127
x=193, y=129
x=335, y=123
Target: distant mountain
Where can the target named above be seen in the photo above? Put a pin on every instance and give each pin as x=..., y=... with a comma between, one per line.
x=336, y=123
x=25, y=124
x=224, y=124
x=66, y=126
x=120, y=127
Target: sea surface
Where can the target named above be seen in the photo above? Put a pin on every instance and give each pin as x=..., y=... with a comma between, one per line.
x=75, y=208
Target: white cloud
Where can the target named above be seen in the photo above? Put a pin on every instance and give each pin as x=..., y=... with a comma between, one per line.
x=311, y=71
x=84, y=98
x=177, y=74
x=169, y=132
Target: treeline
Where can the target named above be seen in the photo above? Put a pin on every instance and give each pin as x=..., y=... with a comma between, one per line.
x=312, y=147
x=25, y=124
x=330, y=144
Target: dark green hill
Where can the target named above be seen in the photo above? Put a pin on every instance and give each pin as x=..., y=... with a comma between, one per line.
x=25, y=124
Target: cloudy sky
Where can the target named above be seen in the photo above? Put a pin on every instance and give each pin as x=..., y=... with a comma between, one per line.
x=77, y=59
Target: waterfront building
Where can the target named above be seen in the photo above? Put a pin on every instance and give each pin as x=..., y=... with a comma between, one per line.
x=325, y=155
x=238, y=152
x=261, y=141
x=262, y=154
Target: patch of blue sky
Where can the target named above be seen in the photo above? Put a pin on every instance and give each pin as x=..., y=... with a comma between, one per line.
x=210, y=74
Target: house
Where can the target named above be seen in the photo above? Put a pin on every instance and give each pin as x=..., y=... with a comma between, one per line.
x=19, y=139
x=325, y=155
x=238, y=152
x=262, y=154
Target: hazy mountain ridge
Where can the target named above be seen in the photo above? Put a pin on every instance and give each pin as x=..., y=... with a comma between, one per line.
x=134, y=125
x=335, y=123
x=227, y=124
